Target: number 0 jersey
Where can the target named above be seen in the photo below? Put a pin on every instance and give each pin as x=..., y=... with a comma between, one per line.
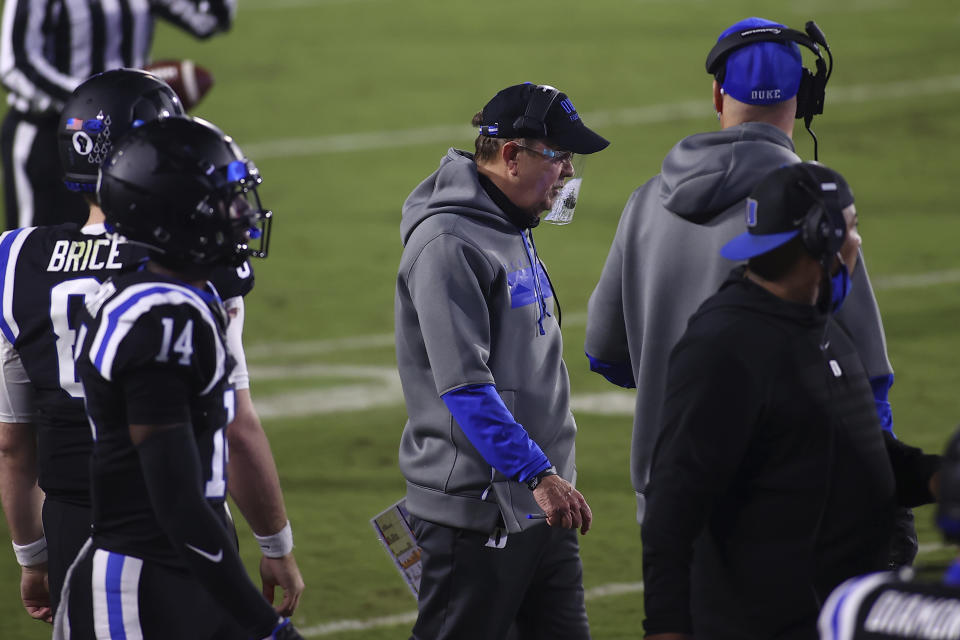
x=46, y=273
x=152, y=353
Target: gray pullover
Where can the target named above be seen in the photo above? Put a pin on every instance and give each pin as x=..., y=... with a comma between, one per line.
x=665, y=261
x=469, y=309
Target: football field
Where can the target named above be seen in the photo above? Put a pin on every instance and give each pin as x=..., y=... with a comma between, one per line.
x=346, y=105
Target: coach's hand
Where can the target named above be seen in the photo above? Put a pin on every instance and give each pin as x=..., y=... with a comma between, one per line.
x=563, y=505
x=282, y=572
x=35, y=593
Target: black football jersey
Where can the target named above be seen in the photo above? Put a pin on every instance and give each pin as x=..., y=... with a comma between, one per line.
x=47, y=272
x=152, y=352
x=891, y=606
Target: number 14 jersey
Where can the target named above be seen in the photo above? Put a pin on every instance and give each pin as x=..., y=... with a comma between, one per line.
x=152, y=352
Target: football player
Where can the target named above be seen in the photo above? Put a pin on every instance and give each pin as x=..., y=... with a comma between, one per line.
x=154, y=364
x=48, y=272
x=900, y=605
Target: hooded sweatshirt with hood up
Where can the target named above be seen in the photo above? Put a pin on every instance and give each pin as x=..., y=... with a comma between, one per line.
x=474, y=309
x=665, y=261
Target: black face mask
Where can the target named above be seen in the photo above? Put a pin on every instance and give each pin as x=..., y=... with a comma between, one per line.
x=840, y=286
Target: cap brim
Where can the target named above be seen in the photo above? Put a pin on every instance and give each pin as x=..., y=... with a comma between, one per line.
x=747, y=245
x=580, y=140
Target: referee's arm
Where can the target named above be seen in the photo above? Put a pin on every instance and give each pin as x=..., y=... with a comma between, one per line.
x=24, y=68
x=214, y=16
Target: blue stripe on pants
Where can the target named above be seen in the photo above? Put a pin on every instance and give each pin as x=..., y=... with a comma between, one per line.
x=114, y=588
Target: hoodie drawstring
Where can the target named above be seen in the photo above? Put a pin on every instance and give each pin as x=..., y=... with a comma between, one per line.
x=534, y=261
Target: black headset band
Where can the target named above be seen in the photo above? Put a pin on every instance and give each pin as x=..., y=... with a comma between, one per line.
x=535, y=115
x=752, y=35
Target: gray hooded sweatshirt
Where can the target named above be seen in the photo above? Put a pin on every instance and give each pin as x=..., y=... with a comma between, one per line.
x=665, y=261
x=471, y=309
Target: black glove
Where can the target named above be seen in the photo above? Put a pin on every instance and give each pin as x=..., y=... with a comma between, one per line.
x=903, y=540
x=284, y=631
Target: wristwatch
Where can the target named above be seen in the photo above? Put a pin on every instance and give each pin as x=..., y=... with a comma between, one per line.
x=534, y=481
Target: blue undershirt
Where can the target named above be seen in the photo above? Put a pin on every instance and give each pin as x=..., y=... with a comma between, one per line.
x=492, y=429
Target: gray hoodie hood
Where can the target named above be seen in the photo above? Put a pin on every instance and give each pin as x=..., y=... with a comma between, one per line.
x=452, y=188
x=704, y=174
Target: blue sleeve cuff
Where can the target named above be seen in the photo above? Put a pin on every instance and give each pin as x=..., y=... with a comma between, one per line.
x=881, y=387
x=492, y=429
x=619, y=373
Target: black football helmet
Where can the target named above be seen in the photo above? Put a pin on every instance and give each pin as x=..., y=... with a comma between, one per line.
x=183, y=189
x=100, y=110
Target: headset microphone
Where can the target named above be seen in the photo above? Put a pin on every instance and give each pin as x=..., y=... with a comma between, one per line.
x=816, y=93
x=816, y=34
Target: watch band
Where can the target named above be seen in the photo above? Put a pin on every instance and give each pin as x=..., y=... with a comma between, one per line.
x=534, y=481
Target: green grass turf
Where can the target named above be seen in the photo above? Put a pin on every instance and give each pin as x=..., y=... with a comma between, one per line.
x=320, y=69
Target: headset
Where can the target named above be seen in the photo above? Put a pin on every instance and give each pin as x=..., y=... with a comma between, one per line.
x=810, y=96
x=535, y=116
x=824, y=228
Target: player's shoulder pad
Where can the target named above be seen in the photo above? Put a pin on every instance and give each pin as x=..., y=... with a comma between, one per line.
x=11, y=242
x=154, y=316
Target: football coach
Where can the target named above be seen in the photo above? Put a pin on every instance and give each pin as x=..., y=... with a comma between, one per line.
x=489, y=438
x=772, y=481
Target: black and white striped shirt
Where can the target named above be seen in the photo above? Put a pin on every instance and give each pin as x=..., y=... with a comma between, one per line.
x=48, y=47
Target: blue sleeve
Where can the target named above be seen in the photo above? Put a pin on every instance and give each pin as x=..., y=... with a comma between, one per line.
x=619, y=373
x=881, y=387
x=492, y=429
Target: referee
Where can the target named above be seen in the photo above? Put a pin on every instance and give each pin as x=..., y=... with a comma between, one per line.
x=49, y=47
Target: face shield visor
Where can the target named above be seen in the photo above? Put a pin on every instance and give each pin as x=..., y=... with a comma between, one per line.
x=566, y=201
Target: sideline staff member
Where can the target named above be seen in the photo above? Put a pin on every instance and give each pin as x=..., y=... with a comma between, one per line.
x=664, y=260
x=490, y=436
x=772, y=481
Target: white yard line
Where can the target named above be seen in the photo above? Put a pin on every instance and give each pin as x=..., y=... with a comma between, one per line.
x=652, y=114
x=379, y=386
x=267, y=351
x=602, y=591
x=264, y=5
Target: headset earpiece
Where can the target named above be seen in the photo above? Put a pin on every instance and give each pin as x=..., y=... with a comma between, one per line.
x=535, y=115
x=824, y=228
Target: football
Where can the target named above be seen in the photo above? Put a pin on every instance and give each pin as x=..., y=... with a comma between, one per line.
x=189, y=80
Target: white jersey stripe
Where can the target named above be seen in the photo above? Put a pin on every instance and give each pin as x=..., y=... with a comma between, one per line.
x=838, y=618
x=129, y=592
x=121, y=313
x=98, y=583
x=115, y=585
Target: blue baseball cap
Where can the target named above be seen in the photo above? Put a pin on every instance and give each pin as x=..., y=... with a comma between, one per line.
x=777, y=207
x=763, y=72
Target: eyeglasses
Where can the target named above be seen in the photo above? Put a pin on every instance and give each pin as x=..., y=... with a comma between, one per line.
x=557, y=157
